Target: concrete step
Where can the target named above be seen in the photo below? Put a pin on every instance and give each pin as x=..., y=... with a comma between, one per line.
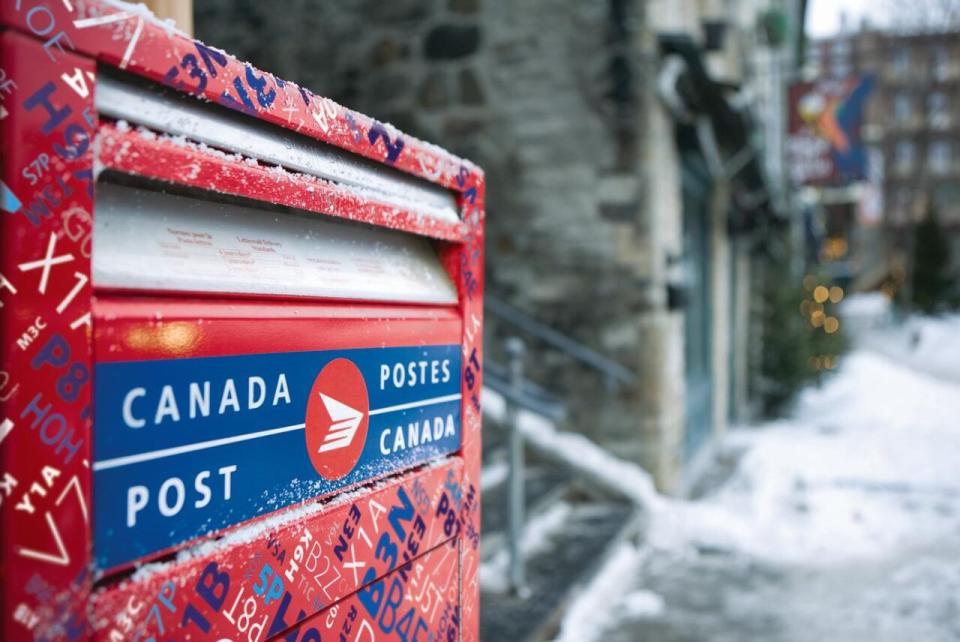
x=562, y=559
x=544, y=484
x=574, y=520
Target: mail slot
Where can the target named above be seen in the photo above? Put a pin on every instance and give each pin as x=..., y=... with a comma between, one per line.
x=241, y=367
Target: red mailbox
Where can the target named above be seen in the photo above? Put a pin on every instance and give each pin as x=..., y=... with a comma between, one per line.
x=240, y=379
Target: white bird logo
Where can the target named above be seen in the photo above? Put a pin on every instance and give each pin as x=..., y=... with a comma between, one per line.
x=346, y=421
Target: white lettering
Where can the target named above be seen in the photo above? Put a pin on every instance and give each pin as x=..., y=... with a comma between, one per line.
x=128, y=418
x=229, y=397
x=416, y=434
x=450, y=430
x=199, y=396
x=415, y=373
x=256, y=382
x=282, y=391
x=383, y=442
x=203, y=489
x=200, y=401
x=384, y=374
x=167, y=407
x=226, y=471
x=164, y=504
x=398, y=443
x=137, y=497
x=172, y=495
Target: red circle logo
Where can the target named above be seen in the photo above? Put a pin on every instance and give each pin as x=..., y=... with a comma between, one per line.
x=337, y=415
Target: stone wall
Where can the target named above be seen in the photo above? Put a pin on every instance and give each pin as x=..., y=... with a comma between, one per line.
x=551, y=98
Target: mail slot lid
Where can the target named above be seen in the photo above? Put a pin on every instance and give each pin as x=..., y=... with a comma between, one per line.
x=211, y=413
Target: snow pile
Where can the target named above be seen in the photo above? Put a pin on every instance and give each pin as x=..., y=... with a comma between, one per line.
x=641, y=603
x=867, y=467
x=930, y=344
x=861, y=313
x=591, y=613
x=493, y=475
x=872, y=307
x=579, y=453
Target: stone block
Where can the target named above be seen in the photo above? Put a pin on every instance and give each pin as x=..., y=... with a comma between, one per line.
x=387, y=51
x=471, y=91
x=464, y=6
x=450, y=42
x=433, y=93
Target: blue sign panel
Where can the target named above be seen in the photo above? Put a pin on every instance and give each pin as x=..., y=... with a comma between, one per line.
x=183, y=447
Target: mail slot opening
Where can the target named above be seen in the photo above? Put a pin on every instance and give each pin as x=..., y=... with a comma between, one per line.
x=147, y=237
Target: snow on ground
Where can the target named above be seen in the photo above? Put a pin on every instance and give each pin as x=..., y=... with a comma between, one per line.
x=853, y=501
x=931, y=344
x=868, y=465
x=641, y=603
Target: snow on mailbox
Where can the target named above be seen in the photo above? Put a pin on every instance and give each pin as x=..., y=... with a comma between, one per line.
x=239, y=389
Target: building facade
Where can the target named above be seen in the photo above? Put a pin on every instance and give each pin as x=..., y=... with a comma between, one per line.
x=912, y=127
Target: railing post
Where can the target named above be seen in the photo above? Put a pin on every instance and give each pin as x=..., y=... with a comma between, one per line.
x=515, y=497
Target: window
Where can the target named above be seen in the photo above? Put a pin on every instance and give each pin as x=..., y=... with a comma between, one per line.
x=937, y=113
x=901, y=107
x=901, y=61
x=903, y=156
x=938, y=157
x=941, y=63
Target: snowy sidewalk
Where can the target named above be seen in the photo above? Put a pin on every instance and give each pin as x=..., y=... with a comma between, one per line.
x=842, y=523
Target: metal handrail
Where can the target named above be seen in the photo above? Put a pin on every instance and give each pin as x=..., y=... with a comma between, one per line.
x=519, y=392
x=531, y=396
x=612, y=370
x=515, y=504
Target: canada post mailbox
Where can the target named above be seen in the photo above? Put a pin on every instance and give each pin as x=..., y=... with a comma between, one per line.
x=241, y=358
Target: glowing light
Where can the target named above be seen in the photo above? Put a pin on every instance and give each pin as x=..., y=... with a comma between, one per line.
x=178, y=336
x=138, y=338
x=836, y=294
x=831, y=325
x=817, y=318
x=821, y=294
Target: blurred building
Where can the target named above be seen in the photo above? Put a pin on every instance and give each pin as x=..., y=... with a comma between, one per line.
x=627, y=146
x=912, y=127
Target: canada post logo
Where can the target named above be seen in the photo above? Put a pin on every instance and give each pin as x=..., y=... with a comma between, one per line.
x=338, y=412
